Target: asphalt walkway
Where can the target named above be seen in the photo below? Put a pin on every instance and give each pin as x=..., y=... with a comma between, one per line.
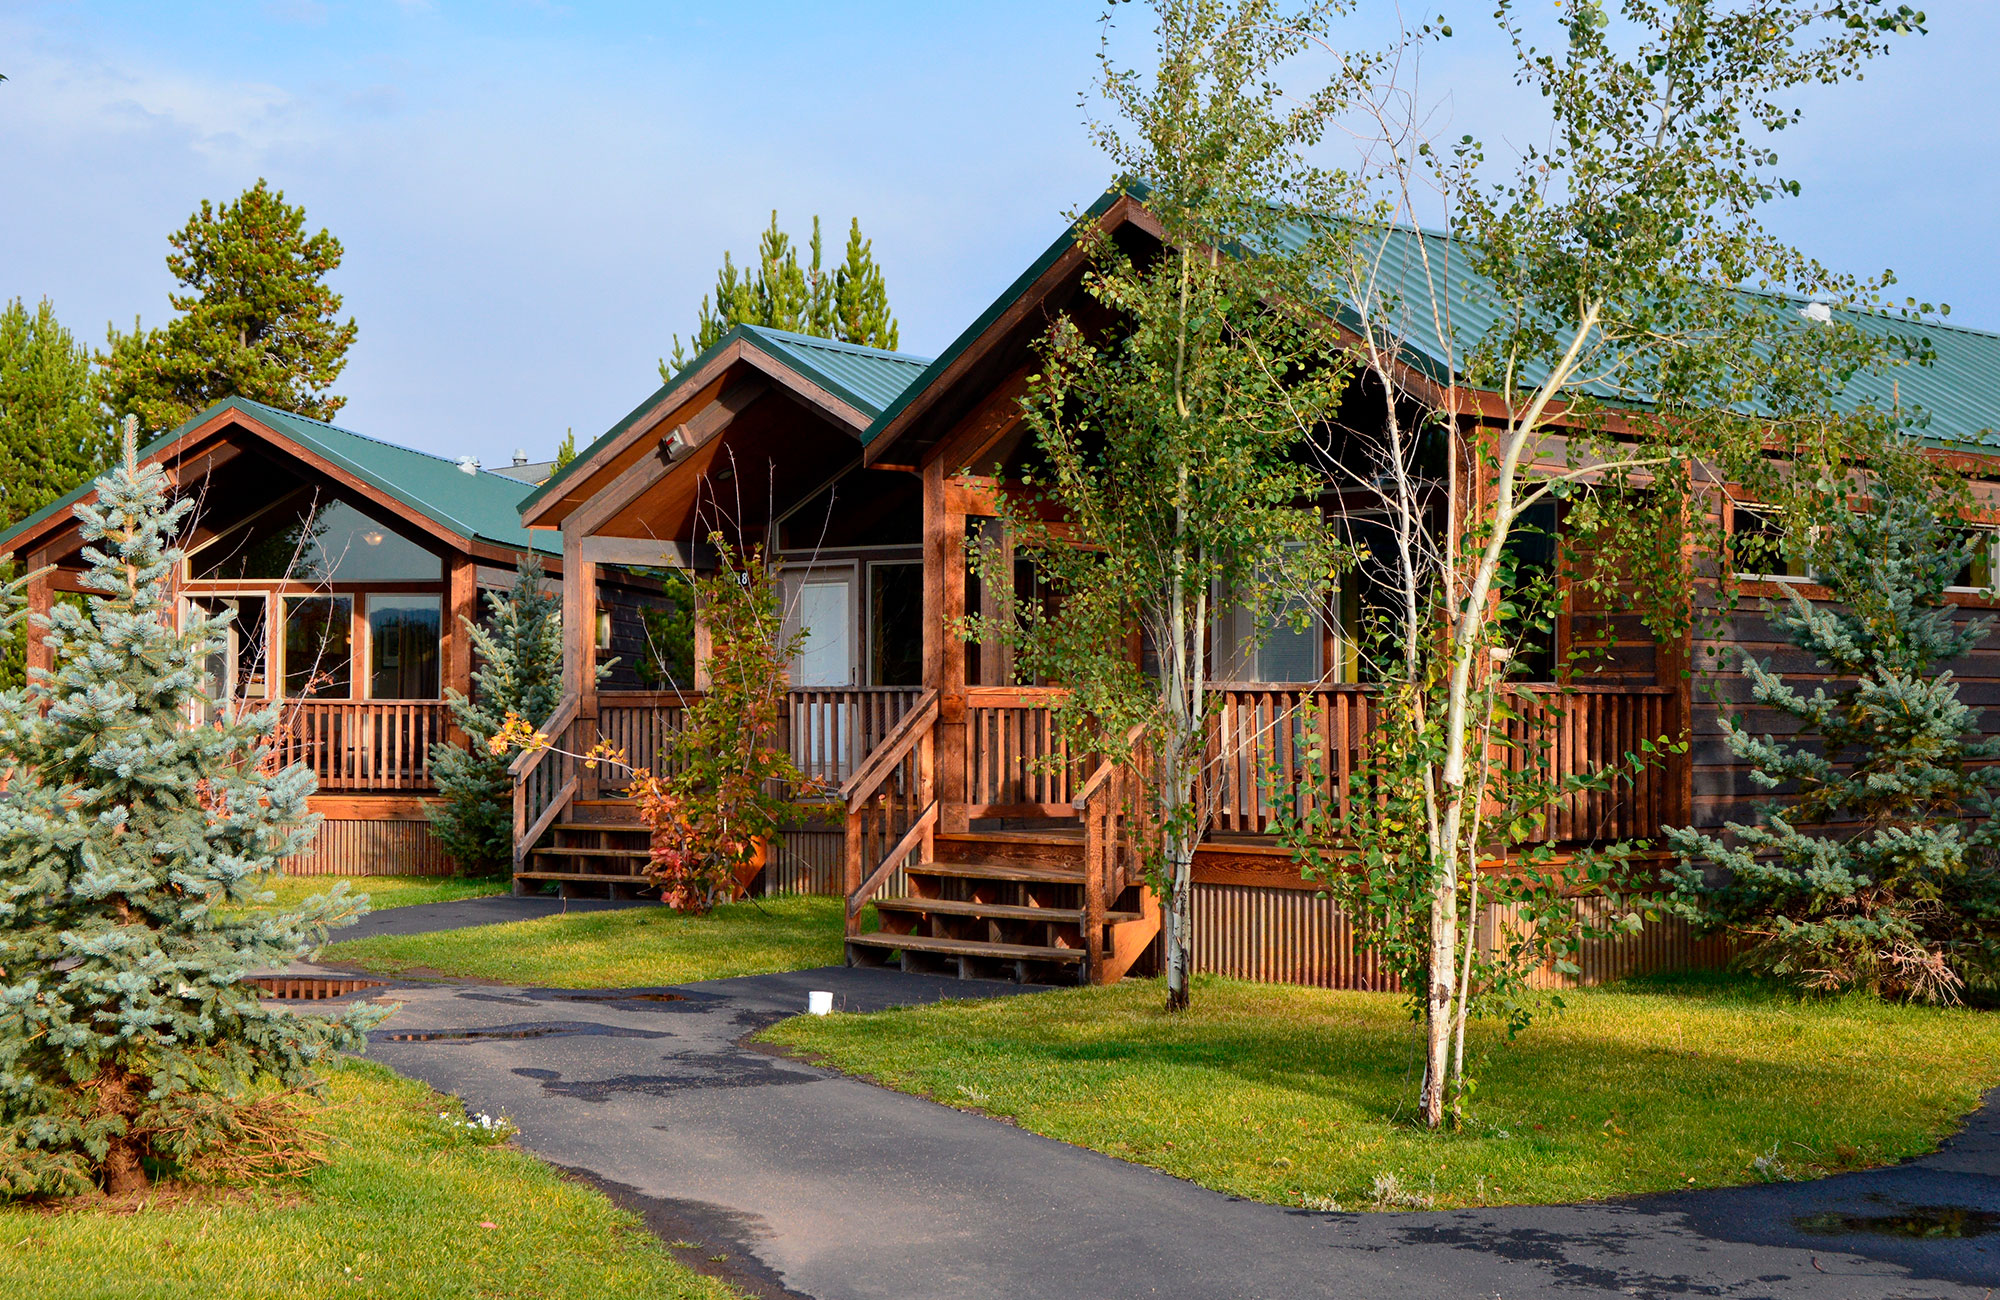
x=818, y=1185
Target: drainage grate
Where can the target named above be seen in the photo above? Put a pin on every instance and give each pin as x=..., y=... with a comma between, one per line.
x=310, y=988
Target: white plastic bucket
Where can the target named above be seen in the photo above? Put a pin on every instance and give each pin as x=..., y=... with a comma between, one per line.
x=819, y=1002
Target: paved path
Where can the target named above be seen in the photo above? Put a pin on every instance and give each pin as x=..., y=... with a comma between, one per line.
x=827, y=1187
x=493, y=909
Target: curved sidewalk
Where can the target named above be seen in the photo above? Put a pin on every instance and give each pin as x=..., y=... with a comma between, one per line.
x=819, y=1185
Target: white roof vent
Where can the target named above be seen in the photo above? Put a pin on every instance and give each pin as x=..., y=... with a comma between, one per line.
x=520, y=455
x=468, y=464
x=1818, y=313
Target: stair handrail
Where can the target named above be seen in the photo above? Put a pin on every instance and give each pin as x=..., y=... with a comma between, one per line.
x=895, y=747
x=1098, y=805
x=528, y=826
x=913, y=735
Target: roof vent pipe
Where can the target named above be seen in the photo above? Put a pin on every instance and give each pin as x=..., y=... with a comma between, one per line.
x=468, y=464
x=1818, y=313
x=520, y=455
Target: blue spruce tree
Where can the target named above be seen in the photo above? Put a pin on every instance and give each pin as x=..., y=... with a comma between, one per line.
x=519, y=652
x=1879, y=871
x=130, y=1044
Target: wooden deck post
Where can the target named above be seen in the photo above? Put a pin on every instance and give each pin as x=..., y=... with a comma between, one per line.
x=41, y=596
x=580, y=649
x=461, y=608
x=944, y=649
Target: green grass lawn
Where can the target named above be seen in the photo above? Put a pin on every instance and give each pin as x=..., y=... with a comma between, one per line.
x=385, y=891
x=621, y=949
x=406, y=1208
x=1303, y=1096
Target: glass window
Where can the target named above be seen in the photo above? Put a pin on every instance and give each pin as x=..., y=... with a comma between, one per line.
x=319, y=651
x=235, y=667
x=1978, y=571
x=1529, y=598
x=403, y=647
x=308, y=541
x=1276, y=639
x=1761, y=549
x=895, y=624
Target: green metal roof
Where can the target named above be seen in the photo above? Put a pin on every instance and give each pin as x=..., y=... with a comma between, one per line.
x=999, y=305
x=1959, y=391
x=868, y=379
x=481, y=505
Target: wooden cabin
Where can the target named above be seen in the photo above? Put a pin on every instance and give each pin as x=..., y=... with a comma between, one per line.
x=349, y=564
x=852, y=466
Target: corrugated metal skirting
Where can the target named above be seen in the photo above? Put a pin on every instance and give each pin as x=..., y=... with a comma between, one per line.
x=1289, y=936
x=372, y=847
x=1280, y=936
x=808, y=862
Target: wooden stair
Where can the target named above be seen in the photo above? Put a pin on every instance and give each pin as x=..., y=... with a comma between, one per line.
x=999, y=905
x=599, y=850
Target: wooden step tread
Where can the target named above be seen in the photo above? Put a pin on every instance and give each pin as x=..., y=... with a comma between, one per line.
x=1000, y=871
x=570, y=851
x=965, y=947
x=998, y=911
x=1064, y=837
x=626, y=828
x=587, y=877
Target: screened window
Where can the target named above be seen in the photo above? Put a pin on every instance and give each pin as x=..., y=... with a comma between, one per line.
x=1275, y=640
x=319, y=647
x=403, y=639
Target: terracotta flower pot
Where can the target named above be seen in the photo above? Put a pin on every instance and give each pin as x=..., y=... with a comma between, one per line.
x=752, y=863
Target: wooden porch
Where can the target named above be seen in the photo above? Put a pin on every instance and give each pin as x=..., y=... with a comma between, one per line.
x=986, y=847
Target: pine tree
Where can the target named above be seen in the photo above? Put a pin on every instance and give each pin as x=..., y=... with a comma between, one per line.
x=128, y=1038
x=565, y=450
x=851, y=304
x=53, y=432
x=520, y=672
x=860, y=296
x=1879, y=871
x=257, y=318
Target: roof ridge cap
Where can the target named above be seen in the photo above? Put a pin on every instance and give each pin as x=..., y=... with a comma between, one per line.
x=836, y=345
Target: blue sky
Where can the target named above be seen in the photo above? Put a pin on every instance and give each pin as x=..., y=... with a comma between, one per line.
x=533, y=197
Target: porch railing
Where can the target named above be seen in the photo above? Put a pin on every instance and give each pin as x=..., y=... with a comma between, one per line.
x=829, y=731
x=1258, y=749
x=362, y=744
x=1015, y=763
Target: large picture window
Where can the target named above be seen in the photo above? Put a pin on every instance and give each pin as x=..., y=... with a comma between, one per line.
x=403, y=647
x=319, y=647
x=308, y=539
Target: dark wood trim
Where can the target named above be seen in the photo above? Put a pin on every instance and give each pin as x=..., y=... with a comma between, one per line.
x=637, y=478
